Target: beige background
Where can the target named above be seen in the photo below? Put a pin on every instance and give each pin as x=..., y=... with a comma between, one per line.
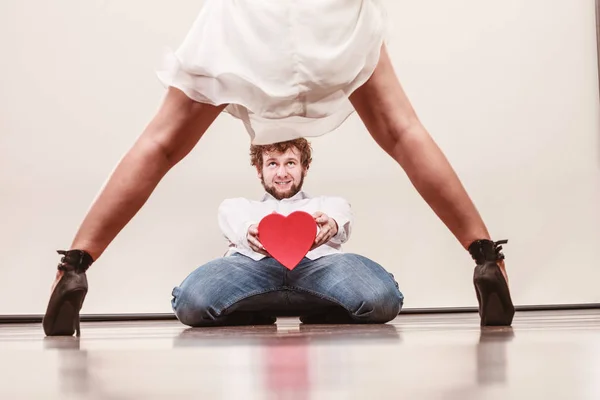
x=509, y=89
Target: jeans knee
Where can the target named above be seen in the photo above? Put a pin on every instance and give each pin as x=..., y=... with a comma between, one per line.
x=380, y=306
x=380, y=297
x=193, y=309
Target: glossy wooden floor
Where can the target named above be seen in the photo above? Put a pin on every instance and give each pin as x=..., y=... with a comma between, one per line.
x=546, y=355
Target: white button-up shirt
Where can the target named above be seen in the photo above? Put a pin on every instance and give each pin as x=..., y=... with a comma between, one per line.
x=238, y=214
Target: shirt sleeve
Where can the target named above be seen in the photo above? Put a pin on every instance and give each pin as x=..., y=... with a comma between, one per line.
x=340, y=210
x=234, y=218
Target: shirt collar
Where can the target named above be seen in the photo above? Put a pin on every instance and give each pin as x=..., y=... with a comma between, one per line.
x=298, y=196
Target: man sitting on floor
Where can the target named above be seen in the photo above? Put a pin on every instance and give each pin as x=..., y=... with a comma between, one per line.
x=249, y=287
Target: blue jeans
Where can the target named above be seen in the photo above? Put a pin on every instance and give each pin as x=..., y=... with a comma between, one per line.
x=237, y=290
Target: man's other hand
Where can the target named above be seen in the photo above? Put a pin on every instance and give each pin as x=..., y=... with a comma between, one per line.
x=253, y=241
x=328, y=228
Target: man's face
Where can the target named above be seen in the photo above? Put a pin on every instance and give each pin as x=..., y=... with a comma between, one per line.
x=282, y=174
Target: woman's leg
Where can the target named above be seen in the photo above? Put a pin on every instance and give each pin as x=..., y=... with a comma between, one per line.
x=390, y=118
x=169, y=137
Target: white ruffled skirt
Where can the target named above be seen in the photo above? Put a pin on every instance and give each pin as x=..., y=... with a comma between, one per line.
x=284, y=67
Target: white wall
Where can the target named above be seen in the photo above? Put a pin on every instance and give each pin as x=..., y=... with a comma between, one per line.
x=509, y=89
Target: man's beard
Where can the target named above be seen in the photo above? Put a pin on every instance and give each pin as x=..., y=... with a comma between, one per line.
x=272, y=190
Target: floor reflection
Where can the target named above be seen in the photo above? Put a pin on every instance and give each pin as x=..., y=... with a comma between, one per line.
x=492, y=357
x=289, y=362
x=73, y=364
x=287, y=369
x=548, y=355
x=271, y=335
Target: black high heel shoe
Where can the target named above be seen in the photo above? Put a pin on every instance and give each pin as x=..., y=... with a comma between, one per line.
x=495, y=304
x=62, y=314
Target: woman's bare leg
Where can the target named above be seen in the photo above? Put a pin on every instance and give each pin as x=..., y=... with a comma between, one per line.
x=170, y=136
x=390, y=118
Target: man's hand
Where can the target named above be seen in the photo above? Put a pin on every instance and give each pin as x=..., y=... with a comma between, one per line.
x=253, y=241
x=328, y=229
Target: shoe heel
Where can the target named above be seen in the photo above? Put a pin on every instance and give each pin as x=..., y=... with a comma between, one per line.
x=77, y=326
x=495, y=304
x=62, y=313
x=496, y=308
x=67, y=321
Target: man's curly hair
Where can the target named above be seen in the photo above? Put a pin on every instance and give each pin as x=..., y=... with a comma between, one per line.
x=303, y=146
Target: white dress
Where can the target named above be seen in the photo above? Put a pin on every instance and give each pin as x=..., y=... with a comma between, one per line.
x=284, y=67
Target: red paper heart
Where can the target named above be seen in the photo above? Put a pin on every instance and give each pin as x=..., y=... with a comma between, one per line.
x=288, y=239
